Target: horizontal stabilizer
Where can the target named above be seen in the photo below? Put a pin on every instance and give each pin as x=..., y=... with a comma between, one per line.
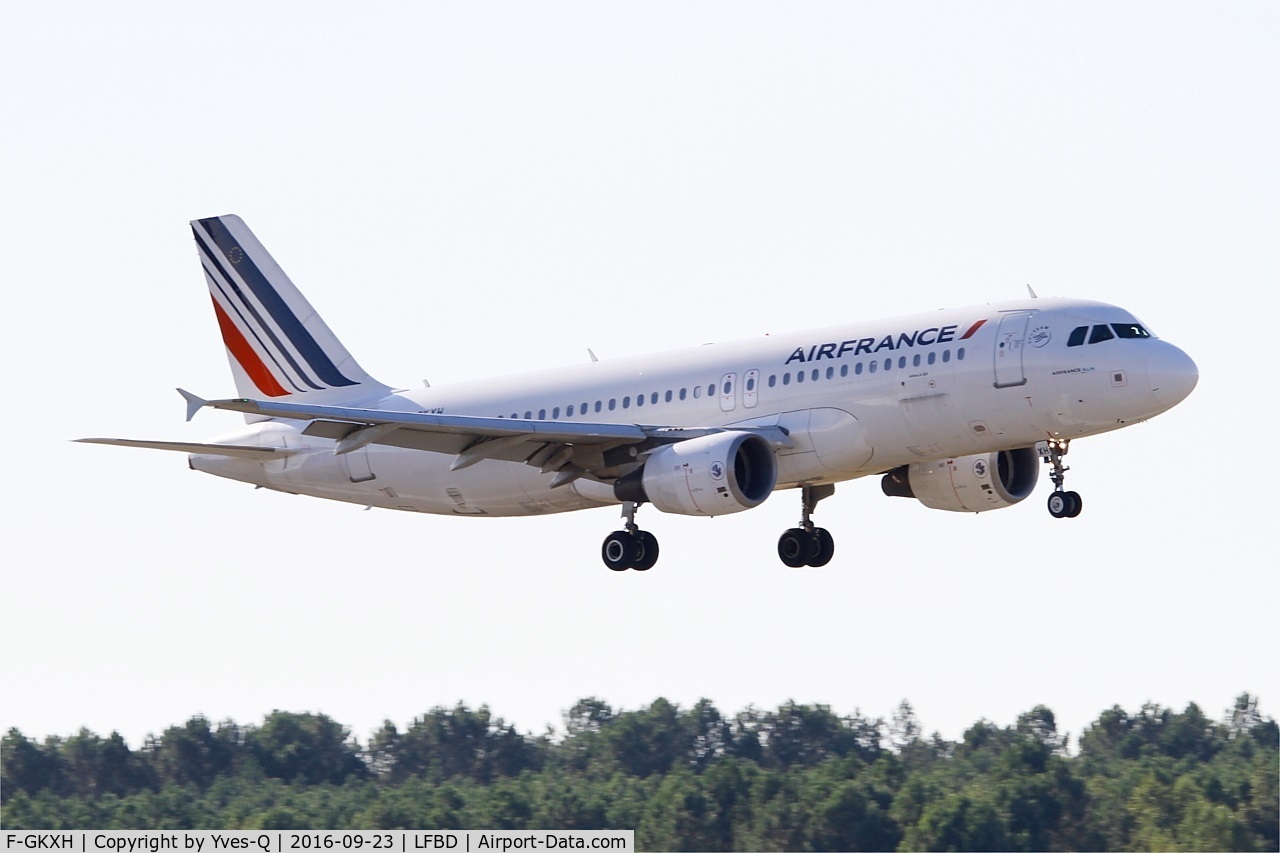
x=240, y=450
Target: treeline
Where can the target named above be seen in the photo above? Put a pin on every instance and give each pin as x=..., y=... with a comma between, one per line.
x=796, y=778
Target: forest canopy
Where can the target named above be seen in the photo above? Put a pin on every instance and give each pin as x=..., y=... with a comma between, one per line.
x=799, y=777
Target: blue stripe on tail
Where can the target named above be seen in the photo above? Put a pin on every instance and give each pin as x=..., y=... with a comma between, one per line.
x=236, y=298
x=284, y=317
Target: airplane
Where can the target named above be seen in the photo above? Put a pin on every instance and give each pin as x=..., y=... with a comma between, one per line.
x=956, y=408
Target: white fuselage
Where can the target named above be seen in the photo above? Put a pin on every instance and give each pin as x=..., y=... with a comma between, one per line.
x=855, y=400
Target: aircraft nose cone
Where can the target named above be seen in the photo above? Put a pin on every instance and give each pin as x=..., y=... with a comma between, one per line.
x=1172, y=374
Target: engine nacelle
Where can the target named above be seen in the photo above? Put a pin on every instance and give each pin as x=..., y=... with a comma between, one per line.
x=967, y=484
x=712, y=475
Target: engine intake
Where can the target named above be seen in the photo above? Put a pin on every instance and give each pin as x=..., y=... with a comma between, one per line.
x=712, y=475
x=968, y=483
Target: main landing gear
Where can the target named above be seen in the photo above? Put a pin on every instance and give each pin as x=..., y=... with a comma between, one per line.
x=631, y=548
x=1062, y=504
x=808, y=545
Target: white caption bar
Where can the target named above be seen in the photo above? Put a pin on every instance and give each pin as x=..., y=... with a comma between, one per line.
x=299, y=841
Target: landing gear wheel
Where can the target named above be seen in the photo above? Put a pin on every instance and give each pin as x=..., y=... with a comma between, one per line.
x=822, y=547
x=794, y=546
x=646, y=551
x=1065, y=504
x=807, y=545
x=1062, y=504
x=631, y=548
x=619, y=550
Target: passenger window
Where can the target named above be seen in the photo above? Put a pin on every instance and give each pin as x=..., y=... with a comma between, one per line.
x=888, y=364
x=873, y=366
x=1076, y=338
x=960, y=354
x=711, y=390
x=946, y=356
x=639, y=400
x=613, y=403
x=528, y=416
x=1100, y=334
x=933, y=356
x=626, y=402
x=814, y=377
x=583, y=410
x=844, y=370
x=667, y=397
x=857, y=369
x=682, y=394
x=697, y=391
x=542, y=414
x=773, y=380
x=555, y=413
x=799, y=375
x=599, y=406
x=751, y=383
x=653, y=398
x=786, y=379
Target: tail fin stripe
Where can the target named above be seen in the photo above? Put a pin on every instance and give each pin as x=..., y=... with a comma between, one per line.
x=244, y=354
x=252, y=330
x=275, y=306
x=232, y=293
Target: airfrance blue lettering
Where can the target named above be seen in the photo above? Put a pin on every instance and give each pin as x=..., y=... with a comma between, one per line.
x=867, y=346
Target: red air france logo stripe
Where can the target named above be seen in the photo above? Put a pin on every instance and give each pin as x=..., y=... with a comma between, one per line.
x=244, y=354
x=975, y=327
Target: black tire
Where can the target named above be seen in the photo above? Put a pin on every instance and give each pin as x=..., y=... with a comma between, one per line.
x=618, y=550
x=646, y=553
x=1059, y=504
x=822, y=547
x=793, y=547
x=1076, y=503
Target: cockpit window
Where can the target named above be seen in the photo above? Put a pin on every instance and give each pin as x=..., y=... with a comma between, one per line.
x=1130, y=330
x=1077, y=336
x=1100, y=334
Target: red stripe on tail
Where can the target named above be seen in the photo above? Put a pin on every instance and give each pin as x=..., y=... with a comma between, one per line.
x=244, y=354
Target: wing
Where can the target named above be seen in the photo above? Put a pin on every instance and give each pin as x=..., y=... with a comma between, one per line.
x=243, y=451
x=599, y=451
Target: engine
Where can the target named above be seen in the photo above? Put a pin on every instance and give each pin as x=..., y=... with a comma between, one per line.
x=712, y=475
x=967, y=484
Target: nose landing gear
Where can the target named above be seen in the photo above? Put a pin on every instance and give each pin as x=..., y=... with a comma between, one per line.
x=1062, y=504
x=808, y=545
x=631, y=548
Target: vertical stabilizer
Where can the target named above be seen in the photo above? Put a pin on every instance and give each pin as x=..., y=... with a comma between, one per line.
x=278, y=346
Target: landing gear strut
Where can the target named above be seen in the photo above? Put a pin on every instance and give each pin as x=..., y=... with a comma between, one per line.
x=808, y=545
x=631, y=548
x=1062, y=504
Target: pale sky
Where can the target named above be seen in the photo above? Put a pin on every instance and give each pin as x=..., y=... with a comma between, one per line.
x=468, y=189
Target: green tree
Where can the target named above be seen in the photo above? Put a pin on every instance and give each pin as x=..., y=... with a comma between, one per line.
x=26, y=767
x=309, y=747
